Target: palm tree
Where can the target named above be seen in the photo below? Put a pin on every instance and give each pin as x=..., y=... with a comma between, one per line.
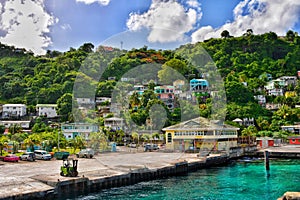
x=32, y=140
x=135, y=137
x=155, y=136
x=77, y=143
x=249, y=132
x=3, y=143
x=98, y=140
x=146, y=137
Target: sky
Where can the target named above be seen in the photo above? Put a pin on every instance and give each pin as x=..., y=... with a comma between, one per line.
x=41, y=25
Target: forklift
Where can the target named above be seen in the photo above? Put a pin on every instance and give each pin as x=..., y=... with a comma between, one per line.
x=69, y=167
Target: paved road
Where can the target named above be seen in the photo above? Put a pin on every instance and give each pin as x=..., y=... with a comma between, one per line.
x=113, y=161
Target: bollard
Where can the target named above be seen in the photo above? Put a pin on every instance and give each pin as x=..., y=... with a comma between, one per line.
x=267, y=164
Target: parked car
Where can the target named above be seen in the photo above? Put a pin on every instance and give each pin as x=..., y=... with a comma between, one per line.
x=29, y=156
x=132, y=145
x=61, y=155
x=42, y=155
x=150, y=147
x=11, y=158
x=85, y=153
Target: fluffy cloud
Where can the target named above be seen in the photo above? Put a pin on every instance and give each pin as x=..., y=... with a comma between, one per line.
x=25, y=24
x=167, y=20
x=102, y=2
x=259, y=15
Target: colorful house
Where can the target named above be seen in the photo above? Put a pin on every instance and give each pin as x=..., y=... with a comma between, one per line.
x=294, y=140
x=166, y=94
x=265, y=142
x=201, y=133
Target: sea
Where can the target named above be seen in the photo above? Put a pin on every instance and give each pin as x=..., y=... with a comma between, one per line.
x=239, y=180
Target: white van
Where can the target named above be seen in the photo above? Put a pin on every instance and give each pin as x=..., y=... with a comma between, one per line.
x=42, y=155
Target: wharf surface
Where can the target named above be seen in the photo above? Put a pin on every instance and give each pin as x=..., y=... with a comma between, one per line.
x=41, y=179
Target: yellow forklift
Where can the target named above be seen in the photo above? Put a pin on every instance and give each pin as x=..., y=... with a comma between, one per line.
x=69, y=167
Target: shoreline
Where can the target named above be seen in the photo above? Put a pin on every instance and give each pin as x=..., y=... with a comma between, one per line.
x=128, y=168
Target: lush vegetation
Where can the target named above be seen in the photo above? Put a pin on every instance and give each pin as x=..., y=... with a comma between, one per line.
x=243, y=63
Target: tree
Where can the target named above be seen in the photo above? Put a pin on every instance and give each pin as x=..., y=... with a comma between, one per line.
x=225, y=34
x=87, y=47
x=290, y=35
x=3, y=143
x=98, y=141
x=32, y=140
x=135, y=136
x=64, y=106
x=134, y=100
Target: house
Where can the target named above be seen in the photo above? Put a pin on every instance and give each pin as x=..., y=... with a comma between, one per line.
x=292, y=128
x=289, y=80
x=85, y=101
x=198, y=85
x=22, y=124
x=202, y=134
x=273, y=106
x=166, y=94
x=13, y=110
x=71, y=130
x=46, y=110
x=102, y=100
x=275, y=87
x=248, y=121
x=139, y=89
x=103, y=111
x=199, y=88
x=265, y=142
x=114, y=123
x=294, y=140
x=261, y=99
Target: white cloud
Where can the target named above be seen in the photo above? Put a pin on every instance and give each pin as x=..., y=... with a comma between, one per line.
x=66, y=27
x=102, y=2
x=193, y=3
x=25, y=24
x=259, y=15
x=167, y=21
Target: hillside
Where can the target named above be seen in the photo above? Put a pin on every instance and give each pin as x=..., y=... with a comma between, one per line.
x=243, y=63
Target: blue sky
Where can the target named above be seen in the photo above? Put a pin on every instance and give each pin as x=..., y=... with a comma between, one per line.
x=60, y=24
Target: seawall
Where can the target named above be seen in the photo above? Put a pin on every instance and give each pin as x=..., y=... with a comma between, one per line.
x=94, y=181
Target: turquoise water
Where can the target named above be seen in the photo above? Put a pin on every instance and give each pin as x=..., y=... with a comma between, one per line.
x=238, y=180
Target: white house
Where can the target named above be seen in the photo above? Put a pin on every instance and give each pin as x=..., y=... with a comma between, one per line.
x=46, y=110
x=13, y=110
x=71, y=130
x=23, y=124
x=114, y=123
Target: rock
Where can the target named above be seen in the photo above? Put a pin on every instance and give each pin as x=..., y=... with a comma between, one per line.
x=290, y=196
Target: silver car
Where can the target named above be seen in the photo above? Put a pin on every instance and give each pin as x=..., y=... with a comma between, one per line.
x=86, y=153
x=29, y=156
x=42, y=155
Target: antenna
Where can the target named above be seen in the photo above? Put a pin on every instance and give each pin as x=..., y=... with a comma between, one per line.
x=121, y=45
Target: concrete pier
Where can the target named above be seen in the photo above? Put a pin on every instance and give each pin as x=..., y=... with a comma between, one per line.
x=41, y=179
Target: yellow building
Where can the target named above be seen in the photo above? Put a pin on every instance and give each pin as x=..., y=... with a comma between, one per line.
x=202, y=134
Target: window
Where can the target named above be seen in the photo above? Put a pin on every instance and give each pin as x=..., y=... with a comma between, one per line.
x=169, y=138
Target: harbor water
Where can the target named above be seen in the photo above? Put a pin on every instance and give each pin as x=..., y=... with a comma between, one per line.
x=244, y=179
